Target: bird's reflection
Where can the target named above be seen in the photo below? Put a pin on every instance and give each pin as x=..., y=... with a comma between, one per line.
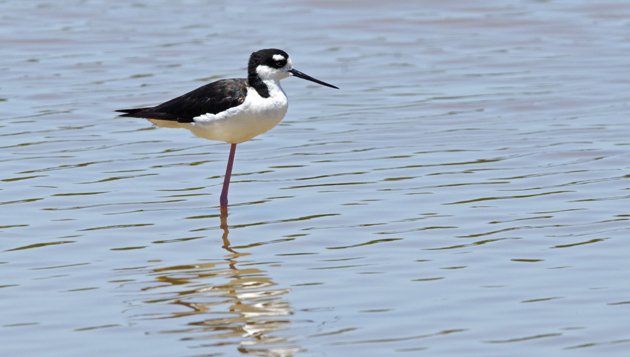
x=222, y=303
x=226, y=230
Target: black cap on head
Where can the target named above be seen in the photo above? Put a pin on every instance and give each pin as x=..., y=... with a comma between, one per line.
x=272, y=57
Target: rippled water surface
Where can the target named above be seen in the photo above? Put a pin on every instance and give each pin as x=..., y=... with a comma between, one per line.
x=465, y=192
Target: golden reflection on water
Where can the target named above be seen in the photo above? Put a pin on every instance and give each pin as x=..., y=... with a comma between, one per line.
x=229, y=302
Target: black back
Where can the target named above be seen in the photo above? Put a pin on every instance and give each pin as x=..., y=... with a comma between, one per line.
x=212, y=98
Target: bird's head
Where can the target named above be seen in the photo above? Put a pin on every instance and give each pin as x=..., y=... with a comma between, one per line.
x=274, y=64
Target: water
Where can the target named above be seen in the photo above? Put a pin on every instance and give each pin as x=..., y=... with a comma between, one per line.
x=465, y=192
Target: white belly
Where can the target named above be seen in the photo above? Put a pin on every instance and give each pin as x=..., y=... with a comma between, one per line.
x=238, y=124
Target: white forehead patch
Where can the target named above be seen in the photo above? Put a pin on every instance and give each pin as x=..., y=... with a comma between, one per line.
x=278, y=57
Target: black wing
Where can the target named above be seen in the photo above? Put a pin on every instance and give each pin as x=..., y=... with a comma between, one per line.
x=212, y=98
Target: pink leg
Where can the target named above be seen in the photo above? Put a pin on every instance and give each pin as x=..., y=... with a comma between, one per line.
x=228, y=175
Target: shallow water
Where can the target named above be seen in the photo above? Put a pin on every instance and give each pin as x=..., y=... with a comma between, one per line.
x=465, y=192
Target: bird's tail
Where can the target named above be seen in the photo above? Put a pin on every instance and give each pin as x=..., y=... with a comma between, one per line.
x=135, y=113
x=150, y=113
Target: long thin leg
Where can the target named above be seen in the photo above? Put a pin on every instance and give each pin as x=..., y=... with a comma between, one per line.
x=228, y=175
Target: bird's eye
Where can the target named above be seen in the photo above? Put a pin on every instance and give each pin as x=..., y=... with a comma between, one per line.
x=280, y=63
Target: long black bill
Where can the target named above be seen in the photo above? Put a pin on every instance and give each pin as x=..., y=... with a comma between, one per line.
x=299, y=74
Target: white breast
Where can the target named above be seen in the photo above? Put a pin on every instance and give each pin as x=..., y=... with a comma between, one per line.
x=241, y=123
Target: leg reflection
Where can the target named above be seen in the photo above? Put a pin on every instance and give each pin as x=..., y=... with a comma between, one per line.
x=228, y=304
x=226, y=230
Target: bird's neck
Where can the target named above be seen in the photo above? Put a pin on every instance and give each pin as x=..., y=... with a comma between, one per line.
x=264, y=88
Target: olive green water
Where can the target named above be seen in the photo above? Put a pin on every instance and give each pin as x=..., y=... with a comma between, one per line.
x=466, y=192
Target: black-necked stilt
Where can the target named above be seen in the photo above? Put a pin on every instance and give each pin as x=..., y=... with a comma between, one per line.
x=232, y=110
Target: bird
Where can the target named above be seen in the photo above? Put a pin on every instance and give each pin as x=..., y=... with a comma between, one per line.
x=231, y=110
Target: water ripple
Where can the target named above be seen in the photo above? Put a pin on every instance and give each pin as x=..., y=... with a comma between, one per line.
x=465, y=190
